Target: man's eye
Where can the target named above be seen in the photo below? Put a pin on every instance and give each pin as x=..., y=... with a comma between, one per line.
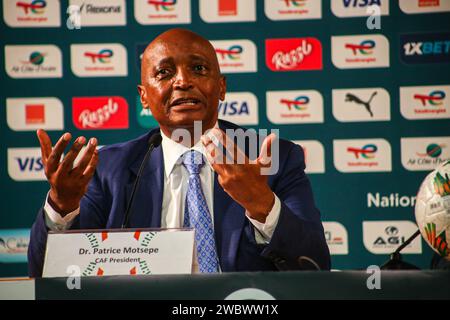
x=200, y=68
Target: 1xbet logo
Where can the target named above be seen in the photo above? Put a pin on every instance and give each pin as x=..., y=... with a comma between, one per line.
x=425, y=48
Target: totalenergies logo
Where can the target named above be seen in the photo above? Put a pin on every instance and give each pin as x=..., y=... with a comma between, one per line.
x=366, y=152
x=36, y=6
x=103, y=56
x=365, y=47
x=166, y=5
x=36, y=58
x=295, y=3
x=298, y=103
x=232, y=53
x=435, y=98
x=433, y=150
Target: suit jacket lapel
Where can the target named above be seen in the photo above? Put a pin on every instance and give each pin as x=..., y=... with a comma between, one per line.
x=229, y=220
x=146, y=210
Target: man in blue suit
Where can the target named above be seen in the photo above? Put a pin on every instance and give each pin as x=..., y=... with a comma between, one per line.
x=258, y=222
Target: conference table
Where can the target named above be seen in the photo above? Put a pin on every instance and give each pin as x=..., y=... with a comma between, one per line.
x=298, y=285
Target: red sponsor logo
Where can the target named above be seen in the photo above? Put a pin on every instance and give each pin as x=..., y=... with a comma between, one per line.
x=293, y=54
x=100, y=113
x=34, y=113
x=227, y=7
x=429, y=3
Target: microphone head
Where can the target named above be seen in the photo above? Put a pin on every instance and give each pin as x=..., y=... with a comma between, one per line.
x=155, y=139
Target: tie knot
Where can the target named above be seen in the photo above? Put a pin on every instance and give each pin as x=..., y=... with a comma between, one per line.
x=193, y=161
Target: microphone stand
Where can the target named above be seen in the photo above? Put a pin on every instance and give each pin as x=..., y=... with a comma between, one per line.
x=395, y=261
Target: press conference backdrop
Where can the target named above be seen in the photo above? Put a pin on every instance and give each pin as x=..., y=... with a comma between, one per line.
x=370, y=106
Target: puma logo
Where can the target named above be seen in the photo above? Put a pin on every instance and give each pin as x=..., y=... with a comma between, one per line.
x=352, y=98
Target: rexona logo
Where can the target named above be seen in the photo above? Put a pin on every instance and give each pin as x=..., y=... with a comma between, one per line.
x=293, y=9
x=284, y=107
x=425, y=48
x=314, y=155
x=363, y=155
x=32, y=13
x=25, y=164
x=101, y=12
x=99, y=60
x=357, y=8
x=425, y=102
x=14, y=245
x=41, y=61
x=213, y=11
x=383, y=237
x=240, y=108
x=100, y=113
x=424, y=6
x=361, y=51
x=337, y=237
x=154, y=12
x=29, y=114
x=294, y=54
x=236, y=55
x=424, y=154
x=360, y=105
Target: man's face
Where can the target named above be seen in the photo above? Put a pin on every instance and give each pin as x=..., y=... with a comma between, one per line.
x=181, y=81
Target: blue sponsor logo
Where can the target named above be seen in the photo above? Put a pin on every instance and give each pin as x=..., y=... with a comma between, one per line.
x=361, y=3
x=233, y=108
x=425, y=48
x=14, y=245
x=30, y=164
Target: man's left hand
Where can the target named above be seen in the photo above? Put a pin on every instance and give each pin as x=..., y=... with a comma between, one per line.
x=241, y=177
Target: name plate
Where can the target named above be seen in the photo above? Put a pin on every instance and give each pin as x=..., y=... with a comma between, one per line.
x=118, y=252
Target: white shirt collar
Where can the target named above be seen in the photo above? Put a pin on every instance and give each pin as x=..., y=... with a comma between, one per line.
x=173, y=151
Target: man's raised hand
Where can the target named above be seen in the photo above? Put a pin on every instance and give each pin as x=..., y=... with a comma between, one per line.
x=68, y=183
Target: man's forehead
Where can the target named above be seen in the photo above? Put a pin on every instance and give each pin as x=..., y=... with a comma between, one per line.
x=165, y=50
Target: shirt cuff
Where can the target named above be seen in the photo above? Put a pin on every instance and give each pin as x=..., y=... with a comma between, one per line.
x=264, y=231
x=55, y=221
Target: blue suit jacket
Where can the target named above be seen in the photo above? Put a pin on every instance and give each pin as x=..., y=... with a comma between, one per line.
x=299, y=231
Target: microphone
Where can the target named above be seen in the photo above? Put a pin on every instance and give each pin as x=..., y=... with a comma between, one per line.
x=302, y=263
x=395, y=261
x=153, y=142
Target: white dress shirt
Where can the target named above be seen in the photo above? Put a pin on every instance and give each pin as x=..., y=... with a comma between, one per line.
x=174, y=194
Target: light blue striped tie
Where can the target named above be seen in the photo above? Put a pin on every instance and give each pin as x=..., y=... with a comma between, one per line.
x=196, y=214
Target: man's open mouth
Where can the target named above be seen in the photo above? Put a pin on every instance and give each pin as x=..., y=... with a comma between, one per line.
x=185, y=102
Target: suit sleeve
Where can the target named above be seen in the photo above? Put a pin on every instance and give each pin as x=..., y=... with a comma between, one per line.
x=299, y=232
x=93, y=215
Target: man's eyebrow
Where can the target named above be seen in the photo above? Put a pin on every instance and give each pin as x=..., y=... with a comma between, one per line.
x=198, y=57
x=164, y=61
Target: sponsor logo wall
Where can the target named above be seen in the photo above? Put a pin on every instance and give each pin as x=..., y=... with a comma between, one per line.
x=369, y=107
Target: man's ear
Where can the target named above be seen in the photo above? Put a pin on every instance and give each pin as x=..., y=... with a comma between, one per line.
x=143, y=96
x=223, y=87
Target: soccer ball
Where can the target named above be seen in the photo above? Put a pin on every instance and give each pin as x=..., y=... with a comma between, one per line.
x=433, y=209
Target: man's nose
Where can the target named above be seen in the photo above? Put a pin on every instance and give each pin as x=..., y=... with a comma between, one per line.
x=183, y=80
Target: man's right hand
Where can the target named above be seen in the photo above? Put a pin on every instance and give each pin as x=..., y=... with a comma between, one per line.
x=68, y=184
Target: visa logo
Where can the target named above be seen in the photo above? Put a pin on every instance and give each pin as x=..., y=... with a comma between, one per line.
x=230, y=108
x=30, y=164
x=361, y=3
x=25, y=164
